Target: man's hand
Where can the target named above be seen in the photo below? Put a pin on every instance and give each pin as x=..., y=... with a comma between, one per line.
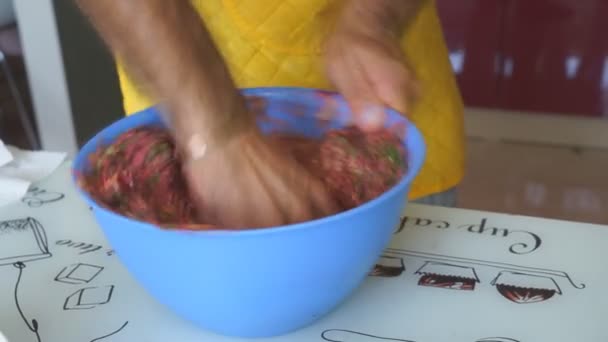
x=238, y=179
x=251, y=183
x=364, y=60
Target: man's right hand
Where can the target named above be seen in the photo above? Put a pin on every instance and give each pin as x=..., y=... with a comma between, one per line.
x=250, y=183
x=241, y=181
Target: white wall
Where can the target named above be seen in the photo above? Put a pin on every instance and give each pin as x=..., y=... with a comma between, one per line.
x=46, y=75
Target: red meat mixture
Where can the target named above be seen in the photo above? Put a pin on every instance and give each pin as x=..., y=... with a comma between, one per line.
x=139, y=174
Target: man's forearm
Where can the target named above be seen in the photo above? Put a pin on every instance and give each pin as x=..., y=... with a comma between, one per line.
x=389, y=15
x=166, y=48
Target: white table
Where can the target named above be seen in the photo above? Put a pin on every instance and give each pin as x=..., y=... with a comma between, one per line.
x=450, y=275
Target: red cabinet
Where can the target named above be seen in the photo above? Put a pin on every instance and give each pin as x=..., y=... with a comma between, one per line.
x=473, y=52
x=530, y=55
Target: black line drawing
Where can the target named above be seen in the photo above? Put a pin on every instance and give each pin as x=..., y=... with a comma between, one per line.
x=339, y=335
x=33, y=324
x=111, y=334
x=21, y=241
x=497, y=339
x=447, y=276
x=37, y=197
x=524, y=288
x=83, y=247
x=78, y=273
x=498, y=265
x=89, y=298
x=388, y=266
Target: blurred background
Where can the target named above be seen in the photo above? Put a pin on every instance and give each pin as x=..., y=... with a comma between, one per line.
x=533, y=75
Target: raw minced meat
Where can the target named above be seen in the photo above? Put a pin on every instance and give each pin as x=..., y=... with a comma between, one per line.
x=139, y=174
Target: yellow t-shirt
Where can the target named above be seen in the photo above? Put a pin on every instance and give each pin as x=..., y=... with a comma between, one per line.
x=278, y=43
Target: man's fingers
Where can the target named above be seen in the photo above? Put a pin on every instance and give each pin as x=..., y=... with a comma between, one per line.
x=269, y=209
x=348, y=76
x=370, y=117
x=259, y=213
x=289, y=192
x=395, y=86
x=324, y=204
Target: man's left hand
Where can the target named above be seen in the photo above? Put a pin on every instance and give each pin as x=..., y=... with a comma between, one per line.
x=366, y=65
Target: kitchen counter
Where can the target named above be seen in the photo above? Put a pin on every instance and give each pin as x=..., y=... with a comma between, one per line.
x=449, y=275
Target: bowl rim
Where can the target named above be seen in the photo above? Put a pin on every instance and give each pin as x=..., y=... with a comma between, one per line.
x=405, y=181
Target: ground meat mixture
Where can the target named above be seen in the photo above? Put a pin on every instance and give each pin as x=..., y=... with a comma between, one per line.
x=359, y=167
x=139, y=174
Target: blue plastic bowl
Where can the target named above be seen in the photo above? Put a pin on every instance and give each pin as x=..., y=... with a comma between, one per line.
x=265, y=282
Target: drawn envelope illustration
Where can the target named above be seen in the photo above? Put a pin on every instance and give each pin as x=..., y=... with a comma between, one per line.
x=22, y=240
x=388, y=266
x=78, y=273
x=89, y=298
x=525, y=288
x=447, y=276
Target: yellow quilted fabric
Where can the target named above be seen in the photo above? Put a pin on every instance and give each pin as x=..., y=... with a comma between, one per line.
x=277, y=43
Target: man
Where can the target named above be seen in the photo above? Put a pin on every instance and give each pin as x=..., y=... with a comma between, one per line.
x=190, y=56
